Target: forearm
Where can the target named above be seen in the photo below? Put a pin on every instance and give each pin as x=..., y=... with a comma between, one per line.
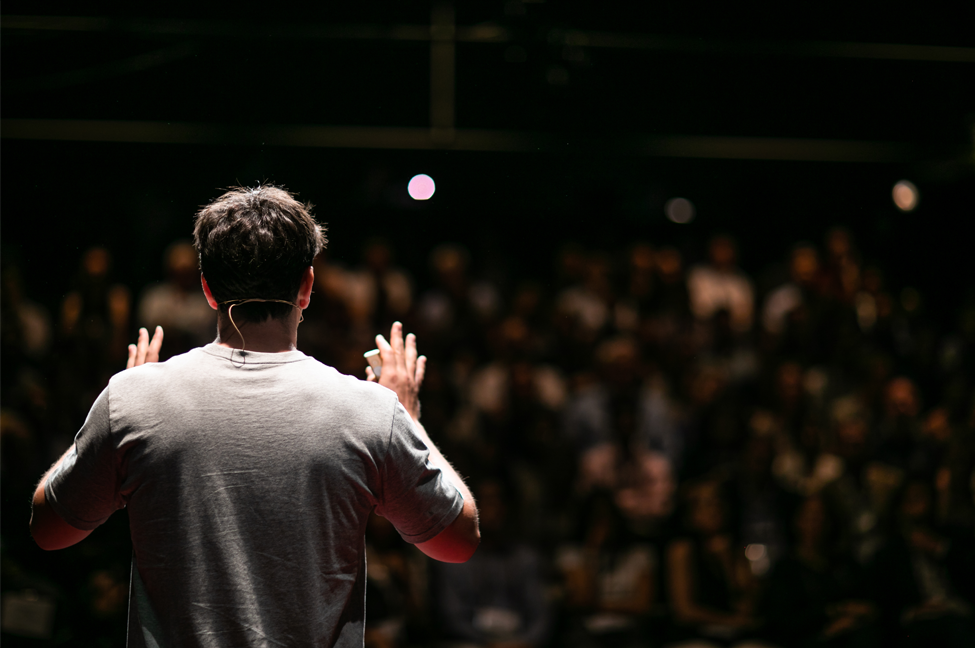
x=458, y=541
x=439, y=461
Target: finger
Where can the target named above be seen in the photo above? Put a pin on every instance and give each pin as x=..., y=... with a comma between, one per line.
x=370, y=374
x=131, y=361
x=385, y=351
x=396, y=341
x=410, y=354
x=421, y=370
x=152, y=355
x=141, y=346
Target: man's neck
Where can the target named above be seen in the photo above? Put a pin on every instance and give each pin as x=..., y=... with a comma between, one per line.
x=276, y=335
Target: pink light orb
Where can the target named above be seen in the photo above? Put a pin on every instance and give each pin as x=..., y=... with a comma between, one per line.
x=421, y=187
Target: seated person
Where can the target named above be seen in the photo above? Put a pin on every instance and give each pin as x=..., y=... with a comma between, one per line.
x=608, y=580
x=712, y=594
x=915, y=577
x=816, y=595
x=498, y=597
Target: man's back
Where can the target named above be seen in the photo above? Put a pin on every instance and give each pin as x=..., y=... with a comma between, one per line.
x=248, y=480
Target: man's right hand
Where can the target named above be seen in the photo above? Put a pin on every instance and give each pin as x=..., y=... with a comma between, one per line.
x=402, y=370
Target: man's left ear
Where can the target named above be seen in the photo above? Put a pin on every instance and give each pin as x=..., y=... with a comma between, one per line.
x=304, y=291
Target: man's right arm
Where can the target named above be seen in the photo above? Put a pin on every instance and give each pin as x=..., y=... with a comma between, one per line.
x=456, y=543
x=403, y=372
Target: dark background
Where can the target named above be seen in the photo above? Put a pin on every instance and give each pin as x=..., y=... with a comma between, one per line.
x=576, y=97
x=706, y=73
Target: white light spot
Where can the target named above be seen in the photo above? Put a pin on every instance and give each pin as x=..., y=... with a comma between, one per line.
x=758, y=559
x=906, y=195
x=421, y=187
x=755, y=552
x=679, y=210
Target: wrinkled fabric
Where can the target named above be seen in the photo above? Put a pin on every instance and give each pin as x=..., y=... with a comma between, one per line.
x=248, y=479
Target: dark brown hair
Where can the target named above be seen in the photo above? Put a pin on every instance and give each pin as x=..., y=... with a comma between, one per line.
x=255, y=244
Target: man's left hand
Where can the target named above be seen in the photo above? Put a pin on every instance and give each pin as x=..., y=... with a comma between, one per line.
x=145, y=350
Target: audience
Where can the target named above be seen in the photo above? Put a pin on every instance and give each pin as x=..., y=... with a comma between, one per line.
x=823, y=456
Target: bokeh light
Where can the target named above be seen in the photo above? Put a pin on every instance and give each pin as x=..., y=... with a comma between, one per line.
x=421, y=187
x=679, y=210
x=905, y=195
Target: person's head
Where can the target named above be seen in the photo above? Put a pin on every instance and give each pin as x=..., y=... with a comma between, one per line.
x=256, y=244
x=619, y=361
x=378, y=255
x=704, y=383
x=804, y=264
x=901, y=398
x=450, y=263
x=705, y=510
x=669, y=265
x=839, y=243
x=916, y=500
x=723, y=252
x=641, y=257
x=493, y=497
x=788, y=381
x=182, y=265
x=96, y=262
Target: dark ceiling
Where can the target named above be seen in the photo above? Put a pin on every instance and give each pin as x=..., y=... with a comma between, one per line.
x=837, y=73
x=777, y=123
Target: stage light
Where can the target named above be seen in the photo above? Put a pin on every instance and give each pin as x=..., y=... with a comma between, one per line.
x=679, y=210
x=421, y=187
x=905, y=195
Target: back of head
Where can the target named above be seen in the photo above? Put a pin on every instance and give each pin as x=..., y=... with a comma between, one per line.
x=256, y=244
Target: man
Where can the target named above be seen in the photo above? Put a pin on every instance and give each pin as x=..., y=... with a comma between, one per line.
x=249, y=469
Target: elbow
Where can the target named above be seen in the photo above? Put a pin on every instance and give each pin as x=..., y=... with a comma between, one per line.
x=42, y=540
x=50, y=532
x=458, y=542
x=465, y=548
x=472, y=544
x=46, y=546
x=469, y=535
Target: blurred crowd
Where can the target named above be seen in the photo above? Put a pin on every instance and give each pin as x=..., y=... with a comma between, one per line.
x=664, y=453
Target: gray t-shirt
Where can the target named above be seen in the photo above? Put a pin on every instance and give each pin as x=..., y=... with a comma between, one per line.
x=248, y=480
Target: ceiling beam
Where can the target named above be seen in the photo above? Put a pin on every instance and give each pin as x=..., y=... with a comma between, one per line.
x=487, y=33
x=354, y=137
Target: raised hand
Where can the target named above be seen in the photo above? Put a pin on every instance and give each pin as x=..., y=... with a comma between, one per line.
x=402, y=370
x=145, y=351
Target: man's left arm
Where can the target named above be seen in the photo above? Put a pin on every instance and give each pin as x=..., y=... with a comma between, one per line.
x=49, y=529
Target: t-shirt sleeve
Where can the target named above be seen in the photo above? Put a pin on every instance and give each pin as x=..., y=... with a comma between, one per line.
x=84, y=489
x=416, y=497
